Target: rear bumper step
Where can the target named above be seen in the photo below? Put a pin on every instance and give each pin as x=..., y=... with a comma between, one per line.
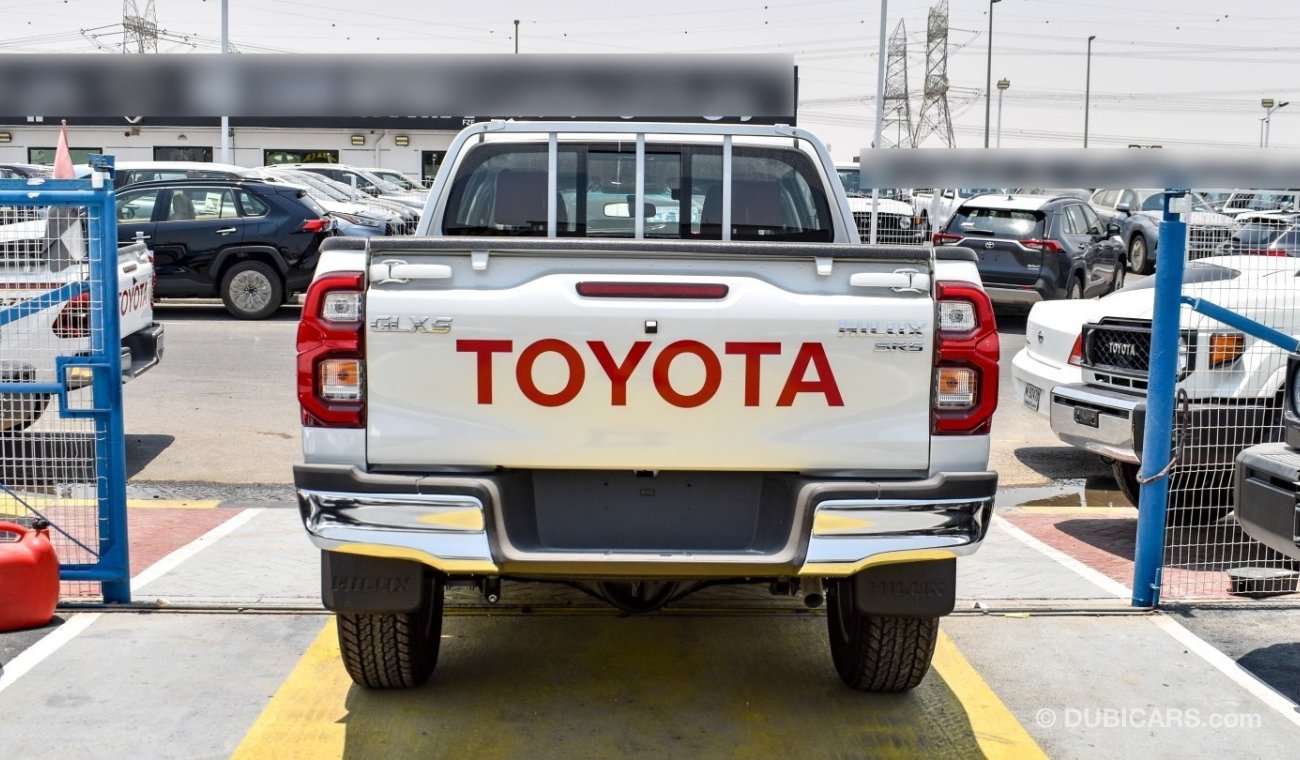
x=586, y=524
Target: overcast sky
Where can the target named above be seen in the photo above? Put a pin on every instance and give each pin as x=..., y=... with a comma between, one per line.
x=1176, y=73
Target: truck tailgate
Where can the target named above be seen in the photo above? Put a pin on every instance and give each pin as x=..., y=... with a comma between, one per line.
x=510, y=365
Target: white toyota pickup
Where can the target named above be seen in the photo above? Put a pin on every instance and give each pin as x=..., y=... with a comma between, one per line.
x=640, y=359
x=45, y=311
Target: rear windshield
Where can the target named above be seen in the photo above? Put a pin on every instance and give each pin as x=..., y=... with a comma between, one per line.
x=1195, y=272
x=997, y=222
x=776, y=193
x=1262, y=201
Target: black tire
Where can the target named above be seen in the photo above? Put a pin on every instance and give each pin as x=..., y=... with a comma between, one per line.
x=1074, y=291
x=20, y=411
x=251, y=290
x=1189, y=488
x=878, y=653
x=1121, y=274
x=1139, y=255
x=397, y=651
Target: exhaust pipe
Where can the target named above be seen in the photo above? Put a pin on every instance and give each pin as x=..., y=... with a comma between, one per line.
x=814, y=596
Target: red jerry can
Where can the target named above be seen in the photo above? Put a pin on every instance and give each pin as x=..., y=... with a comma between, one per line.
x=29, y=576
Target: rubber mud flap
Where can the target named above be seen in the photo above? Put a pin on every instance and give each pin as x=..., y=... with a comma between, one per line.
x=370, y=585
x=908, y=589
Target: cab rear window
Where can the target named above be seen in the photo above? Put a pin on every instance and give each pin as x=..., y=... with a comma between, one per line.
x=502, y=190
x=997, y=222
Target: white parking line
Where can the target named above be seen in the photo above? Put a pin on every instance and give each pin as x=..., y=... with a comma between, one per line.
x=1227, y=666
x=170, y=562
x=1221, y=662
x=1104, y=582
x=48, y=645
x=51, y=642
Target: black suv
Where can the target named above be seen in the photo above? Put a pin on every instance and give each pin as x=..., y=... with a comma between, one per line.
x=1035, y=248
x=252, y=243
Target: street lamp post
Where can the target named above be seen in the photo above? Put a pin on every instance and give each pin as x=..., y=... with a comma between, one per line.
x=1087, y=91
x=1003, y=84
x=988, y=77
x=516, y=36
x=1270, y=106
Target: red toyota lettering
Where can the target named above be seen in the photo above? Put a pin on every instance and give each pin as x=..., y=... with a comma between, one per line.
x=811, y=354
x=524, y=372
x=753, y=353
x=618, y=372
x=484, y=350
x=712, y=373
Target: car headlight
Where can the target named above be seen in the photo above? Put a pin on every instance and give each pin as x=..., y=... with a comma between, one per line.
x=1182, y=354
x=904, y=223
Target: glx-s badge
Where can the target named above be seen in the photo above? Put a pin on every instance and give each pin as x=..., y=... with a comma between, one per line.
x=429, y=325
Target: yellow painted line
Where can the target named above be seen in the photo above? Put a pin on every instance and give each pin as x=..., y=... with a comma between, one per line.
x=310, y=713
x=8, y=504
x=307, y=716
x=996, y=730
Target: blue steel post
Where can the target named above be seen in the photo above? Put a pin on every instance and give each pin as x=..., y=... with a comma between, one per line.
x=106, y=341
x=1163, y=377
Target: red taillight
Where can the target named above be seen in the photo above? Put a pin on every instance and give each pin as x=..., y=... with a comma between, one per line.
x=74, y=320
x=652, y=290
x=331, y=352
x=315, y=225
x=965, y=360
x=1046, y=246
x=1267, y=252
x=1076, y=353
x=944, y=238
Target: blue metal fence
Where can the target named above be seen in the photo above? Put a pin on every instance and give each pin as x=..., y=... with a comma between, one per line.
x=44, y=473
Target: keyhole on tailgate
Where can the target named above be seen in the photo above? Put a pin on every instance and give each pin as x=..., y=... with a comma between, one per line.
x=652, y=327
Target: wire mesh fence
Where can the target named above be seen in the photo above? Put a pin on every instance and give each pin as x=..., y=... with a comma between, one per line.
x=1231, y=388
x=48, y=459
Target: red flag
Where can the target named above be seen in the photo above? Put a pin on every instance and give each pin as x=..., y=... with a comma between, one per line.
x=62, y=157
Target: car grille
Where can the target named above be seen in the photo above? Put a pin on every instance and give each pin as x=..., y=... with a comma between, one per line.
x=889, y=228
x=1117, y=353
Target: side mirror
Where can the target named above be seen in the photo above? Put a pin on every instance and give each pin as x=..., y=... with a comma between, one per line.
x=1112, y=229
x=1125, y=209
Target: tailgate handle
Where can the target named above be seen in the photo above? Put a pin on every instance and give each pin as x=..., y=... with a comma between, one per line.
x=899, y=281
x=392, y=270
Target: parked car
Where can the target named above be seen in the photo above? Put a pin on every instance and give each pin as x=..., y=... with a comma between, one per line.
x=935, y=208
x=40, y=256
x=350, y=219
x=410, y=215
x=1035, y=248
x=364, y=182
x=897, y=222
x=1267, y=476
x=1138, y=213
x=1269, y=234
x=1065, y=192
x=251, y=243
x=397, y=178
x=25, y=171
x=132, y=172
x=1093, y=356
x=1247, y=201
x=856, y=467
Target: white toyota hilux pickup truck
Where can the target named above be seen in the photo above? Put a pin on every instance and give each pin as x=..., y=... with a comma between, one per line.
x=45, y=312
x=640, y=359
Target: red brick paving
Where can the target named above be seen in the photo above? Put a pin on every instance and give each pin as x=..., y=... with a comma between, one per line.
x=155, y=533
x=1106, y=544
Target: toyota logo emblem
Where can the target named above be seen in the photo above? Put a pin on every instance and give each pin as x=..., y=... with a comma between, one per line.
x=988, y=245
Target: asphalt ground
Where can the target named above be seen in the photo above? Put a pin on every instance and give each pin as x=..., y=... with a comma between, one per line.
x=234, y=656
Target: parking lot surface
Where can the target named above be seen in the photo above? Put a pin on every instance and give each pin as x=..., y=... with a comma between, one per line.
x=230, y=654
